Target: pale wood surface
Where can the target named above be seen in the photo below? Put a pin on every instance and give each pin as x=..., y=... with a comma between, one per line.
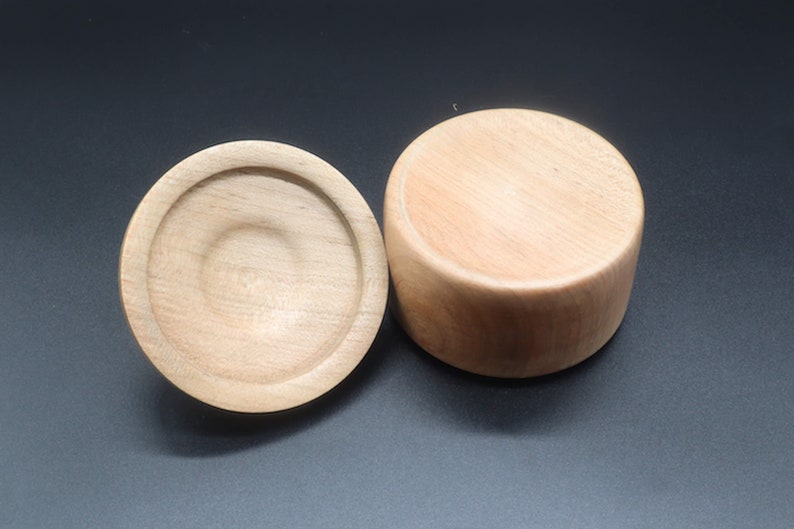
x=253, y=276
x=512, y=237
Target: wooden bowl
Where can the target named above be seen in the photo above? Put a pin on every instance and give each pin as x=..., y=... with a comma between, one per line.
x=253, y=276
x=512, y=238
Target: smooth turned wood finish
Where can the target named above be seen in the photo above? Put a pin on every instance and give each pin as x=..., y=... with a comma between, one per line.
x=253, y=276
x=512, y=237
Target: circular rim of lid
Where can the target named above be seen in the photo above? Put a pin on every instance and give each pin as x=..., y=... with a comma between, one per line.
x=395, y=194
x=317, y=176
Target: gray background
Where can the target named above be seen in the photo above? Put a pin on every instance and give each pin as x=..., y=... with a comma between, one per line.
x=685, y=419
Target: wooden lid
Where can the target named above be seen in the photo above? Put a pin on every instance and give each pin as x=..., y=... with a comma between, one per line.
x=253, y=276
x=512, y=237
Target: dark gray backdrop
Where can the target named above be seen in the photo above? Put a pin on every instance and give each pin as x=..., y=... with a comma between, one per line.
x=685, y=419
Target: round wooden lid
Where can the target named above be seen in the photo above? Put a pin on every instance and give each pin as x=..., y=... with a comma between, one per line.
x=253, y=276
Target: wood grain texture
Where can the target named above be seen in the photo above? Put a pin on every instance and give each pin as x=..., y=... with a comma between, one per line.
x=512, y=237
x=253, y=276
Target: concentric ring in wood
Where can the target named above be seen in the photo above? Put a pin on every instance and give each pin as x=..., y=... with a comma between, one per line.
x=253, y=276
x=512, y=237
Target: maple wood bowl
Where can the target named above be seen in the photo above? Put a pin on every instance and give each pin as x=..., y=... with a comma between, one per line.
x=512, y=238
